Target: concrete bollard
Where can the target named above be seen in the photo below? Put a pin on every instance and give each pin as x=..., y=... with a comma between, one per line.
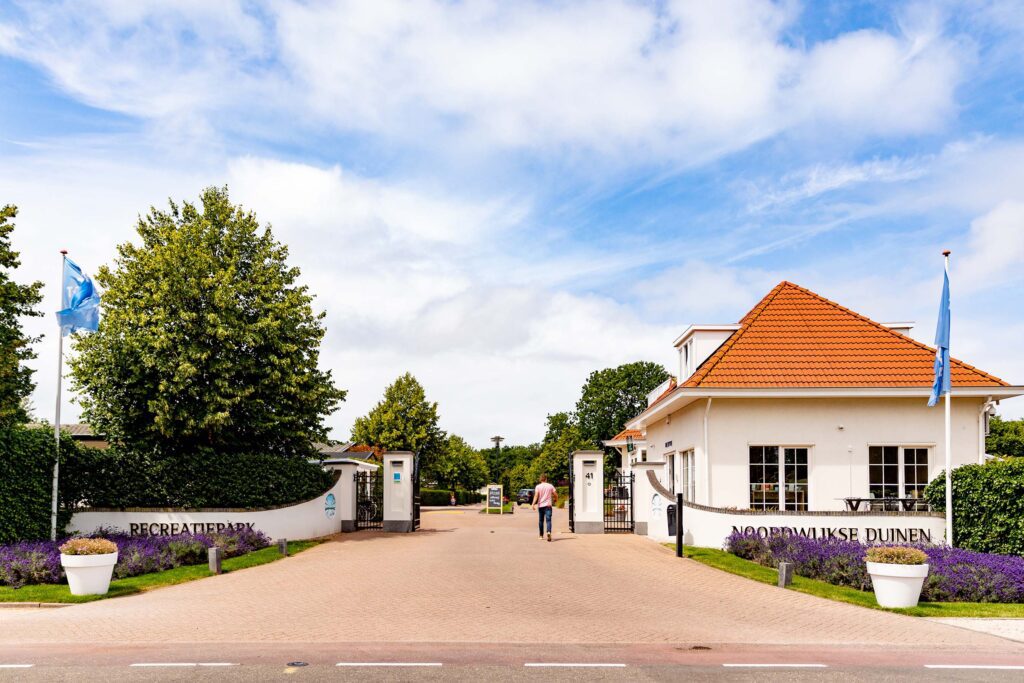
x=785, y=574
x=282, y=546
x=215, y=555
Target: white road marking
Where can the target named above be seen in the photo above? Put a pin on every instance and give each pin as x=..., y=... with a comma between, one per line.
x=1003, y=667
x=575, y=665
x=388, y=664
x=16, y=666
x=183, y=664
x=787, y=666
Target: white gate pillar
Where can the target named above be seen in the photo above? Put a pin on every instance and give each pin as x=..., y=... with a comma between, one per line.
x=347, y=496
x=588, y=492
x=398, y=491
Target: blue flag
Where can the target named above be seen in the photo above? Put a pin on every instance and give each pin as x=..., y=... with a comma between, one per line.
x=79, y=300
x=942, y=383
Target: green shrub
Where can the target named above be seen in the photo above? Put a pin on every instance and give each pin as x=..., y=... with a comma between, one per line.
x=988, y=506
x=442, y=497
x=26, y=481
x=896, y=555
x=119, y=478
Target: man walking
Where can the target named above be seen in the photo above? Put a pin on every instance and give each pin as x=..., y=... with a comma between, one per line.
x=544, y=498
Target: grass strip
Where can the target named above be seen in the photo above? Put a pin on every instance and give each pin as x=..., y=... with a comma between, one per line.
x=49, y=592
x=506, y=509
x=726, y=561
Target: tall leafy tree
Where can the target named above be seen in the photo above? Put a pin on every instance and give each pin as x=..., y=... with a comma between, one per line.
x=613, y=396
x=565, y=438
x=206, y=339
x=16, y=301
x=404, y=420
x=458, y=466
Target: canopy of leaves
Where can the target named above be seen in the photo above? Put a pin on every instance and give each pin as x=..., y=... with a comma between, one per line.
x=1005, y=438
x=555, y=455
x=15, y=348
x=403, y=421
x=613, y=396
x=458, y=466
x=988, y=505
x=206, y=341
x=501, y=461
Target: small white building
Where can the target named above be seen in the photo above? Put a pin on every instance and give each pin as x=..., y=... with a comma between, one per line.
x=806, y=406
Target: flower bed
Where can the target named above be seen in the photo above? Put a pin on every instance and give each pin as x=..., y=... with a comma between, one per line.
x=34, y=562
x=954, y=575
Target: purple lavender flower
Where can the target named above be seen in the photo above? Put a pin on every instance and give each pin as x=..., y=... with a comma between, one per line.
x=32, y=562
x=954, y=575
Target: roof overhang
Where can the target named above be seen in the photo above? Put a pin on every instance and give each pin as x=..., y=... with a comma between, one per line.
x=689, y=331
x=684, y=396
x=611, y=443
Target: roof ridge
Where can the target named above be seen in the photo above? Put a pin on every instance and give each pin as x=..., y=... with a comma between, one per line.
x=889, y=330
x=704, y=368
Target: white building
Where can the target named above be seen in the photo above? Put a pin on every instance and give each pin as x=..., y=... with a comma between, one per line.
x=806, y=406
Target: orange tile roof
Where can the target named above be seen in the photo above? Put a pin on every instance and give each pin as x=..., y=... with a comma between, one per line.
x=796, y=338
x=627, y=433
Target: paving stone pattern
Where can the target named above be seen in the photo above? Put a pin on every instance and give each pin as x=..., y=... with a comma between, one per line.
x=467, y=577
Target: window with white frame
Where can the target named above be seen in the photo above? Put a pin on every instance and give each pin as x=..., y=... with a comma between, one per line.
x=779, y=483
x=688, y=478
x=897, y=471
x=670, y=461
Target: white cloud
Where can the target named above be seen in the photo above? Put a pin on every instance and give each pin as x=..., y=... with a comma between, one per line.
x=631, y=81
x=995, y=247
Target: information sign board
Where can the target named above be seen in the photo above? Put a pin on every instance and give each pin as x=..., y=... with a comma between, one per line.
x=494, y=497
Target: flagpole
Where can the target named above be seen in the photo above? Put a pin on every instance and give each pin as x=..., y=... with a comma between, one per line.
x=949, y=449
x=56, y=420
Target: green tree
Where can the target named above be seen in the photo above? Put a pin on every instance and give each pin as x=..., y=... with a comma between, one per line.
x=206, y=341
x=404, y=420
x=1005, y=437
x=458, y=466
x=555, y=454
x=613, y=396
x=501, y=462
x=15, y=347
x=556, y=424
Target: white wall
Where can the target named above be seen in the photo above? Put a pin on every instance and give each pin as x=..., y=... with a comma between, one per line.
x=838, y=458
x=709, y=529
x=311, y=519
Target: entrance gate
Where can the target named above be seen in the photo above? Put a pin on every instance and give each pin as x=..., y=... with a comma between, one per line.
x=618, y=504
x=369, y=499
x=416, y=493
x=572, y=500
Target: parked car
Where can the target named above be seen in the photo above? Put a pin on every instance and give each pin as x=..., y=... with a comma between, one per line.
x=525, y=496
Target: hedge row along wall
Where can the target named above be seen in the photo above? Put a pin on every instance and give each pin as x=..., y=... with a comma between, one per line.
x=988, y=506
x=115, y=478
x=441, y=497
x=26, y=481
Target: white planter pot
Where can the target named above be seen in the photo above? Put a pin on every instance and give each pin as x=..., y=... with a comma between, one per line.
x=897, y=585
x=89, y=574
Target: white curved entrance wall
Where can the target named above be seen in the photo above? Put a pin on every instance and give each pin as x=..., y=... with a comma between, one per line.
x=314, y=518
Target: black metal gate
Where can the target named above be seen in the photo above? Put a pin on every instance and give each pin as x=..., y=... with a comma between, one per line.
x=618, y=504
x=416, y=493
x=572, y=502
x=370, y=499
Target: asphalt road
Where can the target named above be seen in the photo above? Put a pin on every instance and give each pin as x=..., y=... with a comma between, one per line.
x=494, y=661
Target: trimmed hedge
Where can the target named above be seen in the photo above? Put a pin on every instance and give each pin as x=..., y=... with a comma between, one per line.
x=442, y=497
x=26, y=481
x=119, y=478
x=988, y=506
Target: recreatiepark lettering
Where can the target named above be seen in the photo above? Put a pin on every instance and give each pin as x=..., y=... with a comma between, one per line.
x=172, y=528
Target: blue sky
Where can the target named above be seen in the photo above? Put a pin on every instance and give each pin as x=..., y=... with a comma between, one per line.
x=502, y=197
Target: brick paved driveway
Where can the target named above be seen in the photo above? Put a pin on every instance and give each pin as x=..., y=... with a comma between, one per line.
x=468, y=577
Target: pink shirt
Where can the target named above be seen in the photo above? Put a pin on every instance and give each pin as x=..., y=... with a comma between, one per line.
x=544, y=492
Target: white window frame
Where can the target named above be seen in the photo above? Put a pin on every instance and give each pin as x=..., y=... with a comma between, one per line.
x=670, y=461
x=901, y=463
x=782, y=474
x=688, y=472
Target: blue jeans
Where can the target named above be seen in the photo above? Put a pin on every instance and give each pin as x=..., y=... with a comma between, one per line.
x=544, y=514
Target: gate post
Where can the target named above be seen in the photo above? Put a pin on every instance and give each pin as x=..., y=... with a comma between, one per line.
x=643, y=495
x=588, y=492
x=398, y=491
x=347, y=497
